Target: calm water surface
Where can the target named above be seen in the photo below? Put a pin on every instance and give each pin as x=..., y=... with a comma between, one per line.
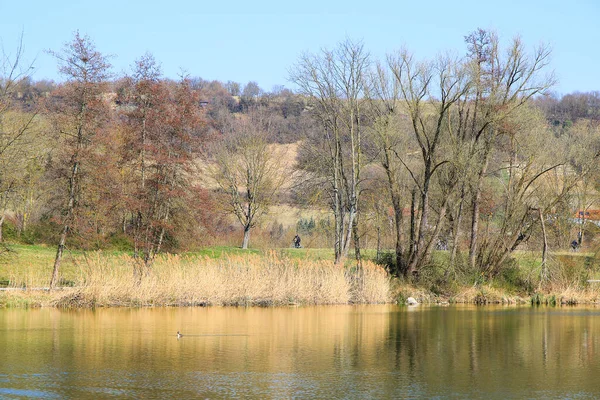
x=328, y=352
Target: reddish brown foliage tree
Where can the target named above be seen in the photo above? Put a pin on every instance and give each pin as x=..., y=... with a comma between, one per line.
x=164, y=124
x=80, y=111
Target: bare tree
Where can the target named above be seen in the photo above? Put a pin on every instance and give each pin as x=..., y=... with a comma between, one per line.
x=247, y=172
x=428, y=91
x=502, y=83
x=334, y=81
x=19, y=131
x=390, y=132
x=455, y=110
x=147, y=100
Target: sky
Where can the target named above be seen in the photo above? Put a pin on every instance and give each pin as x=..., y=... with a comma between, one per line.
x=242, y=41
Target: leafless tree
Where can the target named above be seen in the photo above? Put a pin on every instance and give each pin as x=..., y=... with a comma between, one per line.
x=247, y=172
x=334, y=81
x=19, y=131
x=427, y=92
x=502, y=82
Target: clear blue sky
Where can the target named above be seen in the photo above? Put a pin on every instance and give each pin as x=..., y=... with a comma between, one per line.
x=259, y=40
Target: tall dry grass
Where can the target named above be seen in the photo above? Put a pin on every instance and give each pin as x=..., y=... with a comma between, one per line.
x=231, y=280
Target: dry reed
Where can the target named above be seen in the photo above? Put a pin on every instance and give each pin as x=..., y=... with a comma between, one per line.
x=232, y=280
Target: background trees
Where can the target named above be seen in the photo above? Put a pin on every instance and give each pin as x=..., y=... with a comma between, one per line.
x=469, y=155
x=20, y=131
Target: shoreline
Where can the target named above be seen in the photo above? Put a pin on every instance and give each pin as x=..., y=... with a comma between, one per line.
x=80, y=298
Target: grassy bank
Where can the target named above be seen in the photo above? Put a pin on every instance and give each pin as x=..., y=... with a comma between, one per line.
x=231, y=276
x=249, y=279
x=569, y=280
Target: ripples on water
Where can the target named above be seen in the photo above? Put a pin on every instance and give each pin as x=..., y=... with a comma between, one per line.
x=308, y=352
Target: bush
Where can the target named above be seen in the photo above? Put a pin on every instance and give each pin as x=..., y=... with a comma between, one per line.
x=120, y=242
x=512, y=276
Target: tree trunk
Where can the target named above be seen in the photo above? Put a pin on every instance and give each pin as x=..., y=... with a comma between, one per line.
x=337, y=198
x=2, y=227
x=423, y=254
x=456, y=230
x=544, y=273
x=423, y=223
x=19, y=224
x=58, y=258
x=427, y=251
x=476, y=211
x=400, y=264
x=246, y=237
x=398, y=217
x=66, y=227
x=161, y=237
x=356, y=238
x=348, y=232
x=378, y=254
x=413, y=224
x=581, y=227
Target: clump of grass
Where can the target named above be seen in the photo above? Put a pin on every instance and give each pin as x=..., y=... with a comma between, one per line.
x=27, y=299
x=229, y=280
x=486, y=294
x=537, y=299
x=567, y=282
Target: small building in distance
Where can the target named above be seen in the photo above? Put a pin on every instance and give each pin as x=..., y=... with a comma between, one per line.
x=592, y=216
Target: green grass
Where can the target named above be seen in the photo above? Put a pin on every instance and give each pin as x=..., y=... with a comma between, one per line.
x=31, y=265
x=217, y=252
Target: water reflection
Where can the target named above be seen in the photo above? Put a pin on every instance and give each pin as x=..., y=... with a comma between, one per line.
x=327, y=352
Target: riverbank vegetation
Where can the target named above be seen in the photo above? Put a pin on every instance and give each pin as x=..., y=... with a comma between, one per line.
x=463, y=177
x=100, y=280
x=232, y=276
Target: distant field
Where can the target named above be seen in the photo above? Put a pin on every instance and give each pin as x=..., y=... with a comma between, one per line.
x=289, y=216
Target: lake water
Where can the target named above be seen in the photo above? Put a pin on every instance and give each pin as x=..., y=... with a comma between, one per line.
x=330, y=352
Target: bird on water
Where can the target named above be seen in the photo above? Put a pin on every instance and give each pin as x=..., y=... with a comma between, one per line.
x=179, y=335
